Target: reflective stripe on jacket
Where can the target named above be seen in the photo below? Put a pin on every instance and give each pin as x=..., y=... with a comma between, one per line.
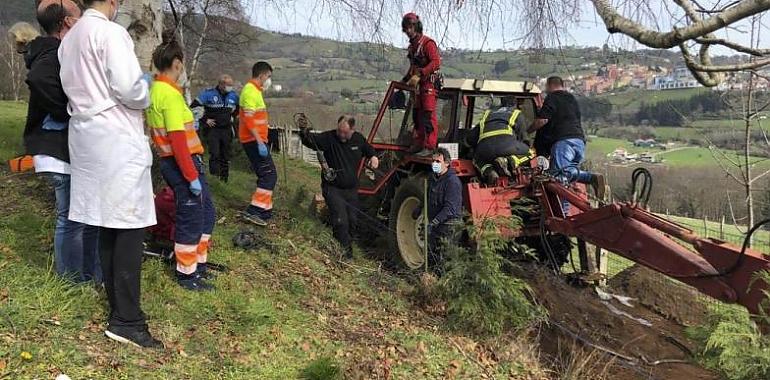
x=253, y=114
x=168, y=112
x=498, y=123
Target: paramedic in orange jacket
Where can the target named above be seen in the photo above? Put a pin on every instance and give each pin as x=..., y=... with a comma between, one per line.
x=181, y=164
x=252, y=132
x=424, y=63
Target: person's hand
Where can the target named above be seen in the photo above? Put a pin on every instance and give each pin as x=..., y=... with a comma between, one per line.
x=374, y=162
x=147, y=77
x=413, y=81
x=196, y=188
x=416, y=212
x=263, y=150
x=211, y=123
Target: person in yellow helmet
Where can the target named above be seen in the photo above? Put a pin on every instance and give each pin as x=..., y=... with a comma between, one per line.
x=253, y=134
x=181, y=164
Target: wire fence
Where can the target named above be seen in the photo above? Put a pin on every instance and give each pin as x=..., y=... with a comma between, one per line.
x=666, y=295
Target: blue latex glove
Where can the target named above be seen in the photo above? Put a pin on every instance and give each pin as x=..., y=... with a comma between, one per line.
x=49, y=124
x=196, y=188
x=263, y=150
x=416, y=212
x=147, y=77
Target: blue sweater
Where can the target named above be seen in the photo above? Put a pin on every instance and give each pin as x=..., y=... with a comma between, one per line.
x=445, y=197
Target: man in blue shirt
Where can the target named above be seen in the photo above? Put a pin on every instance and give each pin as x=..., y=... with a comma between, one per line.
x=220, y=105
x=560, y=133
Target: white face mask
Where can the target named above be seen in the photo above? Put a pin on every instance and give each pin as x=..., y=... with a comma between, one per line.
x=183, y=81
x=117, y=11
x=228, y=88
x=266, y=85
x=436, y=166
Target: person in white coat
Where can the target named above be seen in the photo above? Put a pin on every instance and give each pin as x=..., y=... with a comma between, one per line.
x=110, y=157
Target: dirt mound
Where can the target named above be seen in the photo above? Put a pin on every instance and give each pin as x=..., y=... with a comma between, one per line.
x=670, y=299
x=640, y=338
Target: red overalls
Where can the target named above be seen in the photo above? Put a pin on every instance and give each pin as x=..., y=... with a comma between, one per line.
x=424, y=61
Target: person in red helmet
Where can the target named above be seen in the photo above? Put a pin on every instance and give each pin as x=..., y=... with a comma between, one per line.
x=424, y=63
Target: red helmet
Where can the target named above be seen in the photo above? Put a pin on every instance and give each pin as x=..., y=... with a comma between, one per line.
x=410, y=17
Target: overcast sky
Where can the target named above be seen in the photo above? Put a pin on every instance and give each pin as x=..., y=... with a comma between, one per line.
x=304, y=16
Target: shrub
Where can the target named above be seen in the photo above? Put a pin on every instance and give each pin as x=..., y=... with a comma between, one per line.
x=481, y=297
x=347, y=93
x=733, y=343
x=322, y=369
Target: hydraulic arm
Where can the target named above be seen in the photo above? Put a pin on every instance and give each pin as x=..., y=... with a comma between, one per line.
x=714, y=267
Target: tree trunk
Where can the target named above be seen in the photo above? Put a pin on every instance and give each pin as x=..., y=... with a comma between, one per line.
x=748, y=118
x=144, y=21
x=201, y=39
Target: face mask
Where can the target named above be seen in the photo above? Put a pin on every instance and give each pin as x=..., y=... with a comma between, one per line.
x=436, y=166
x=267, y=83
x=117, y=10
x=183, y=80
x=228, y=88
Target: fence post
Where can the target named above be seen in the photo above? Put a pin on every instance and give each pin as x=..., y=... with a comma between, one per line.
x=722, y=228
x=705, y=226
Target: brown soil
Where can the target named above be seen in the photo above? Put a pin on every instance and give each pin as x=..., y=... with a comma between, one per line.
x=670, y=299
x=579, y=312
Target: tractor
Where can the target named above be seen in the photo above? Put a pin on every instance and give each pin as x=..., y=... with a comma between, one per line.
x=713, y=267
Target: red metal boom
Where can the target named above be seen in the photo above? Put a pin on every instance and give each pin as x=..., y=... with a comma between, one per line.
x=712, y=266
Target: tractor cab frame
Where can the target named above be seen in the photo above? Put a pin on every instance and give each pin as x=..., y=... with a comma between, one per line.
x=399, y=185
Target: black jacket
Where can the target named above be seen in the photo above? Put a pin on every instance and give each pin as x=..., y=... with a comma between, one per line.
x=445, y=198
x=46, y=97
x=563, y=114
x=343, y=157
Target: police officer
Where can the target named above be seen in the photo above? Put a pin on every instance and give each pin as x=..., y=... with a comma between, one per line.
x=499, y=142
x=424, y=63
x=220, y=106
x=343, y=150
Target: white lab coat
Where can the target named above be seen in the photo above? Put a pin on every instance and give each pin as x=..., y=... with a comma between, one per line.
x=109, y=152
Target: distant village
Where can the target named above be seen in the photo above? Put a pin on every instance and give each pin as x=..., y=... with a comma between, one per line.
x=612, y=77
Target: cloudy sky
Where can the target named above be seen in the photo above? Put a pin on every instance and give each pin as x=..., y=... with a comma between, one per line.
x=310, y=17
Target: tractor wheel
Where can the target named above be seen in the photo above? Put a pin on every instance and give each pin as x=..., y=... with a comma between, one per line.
x=406, y=235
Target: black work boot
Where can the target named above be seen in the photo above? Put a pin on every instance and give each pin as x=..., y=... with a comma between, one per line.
x=490, y=176
x=193, y=282
x=204, y=273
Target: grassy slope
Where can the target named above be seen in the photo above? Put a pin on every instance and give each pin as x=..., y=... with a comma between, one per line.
x=279, y=308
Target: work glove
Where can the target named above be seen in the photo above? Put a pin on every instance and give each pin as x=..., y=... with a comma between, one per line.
x=211, y=123
x=147, y=77
x=263, y=150
x=413, y=81
x=196, y=188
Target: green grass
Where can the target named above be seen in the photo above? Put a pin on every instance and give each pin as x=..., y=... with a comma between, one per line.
x=12, y=118
x=629, y=101
x=679, y=156
x=284, y=311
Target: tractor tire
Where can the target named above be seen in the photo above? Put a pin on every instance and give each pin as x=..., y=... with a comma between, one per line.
x=406, y=235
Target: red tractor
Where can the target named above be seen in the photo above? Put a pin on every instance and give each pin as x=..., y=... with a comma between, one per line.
x=716, y=268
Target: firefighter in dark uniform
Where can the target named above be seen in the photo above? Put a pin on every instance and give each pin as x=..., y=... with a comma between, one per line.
x=499, y=142
x=424, y=64
x=220, y=106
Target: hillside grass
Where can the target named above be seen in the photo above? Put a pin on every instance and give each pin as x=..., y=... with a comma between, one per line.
x=684, y=156
x=285, y=310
